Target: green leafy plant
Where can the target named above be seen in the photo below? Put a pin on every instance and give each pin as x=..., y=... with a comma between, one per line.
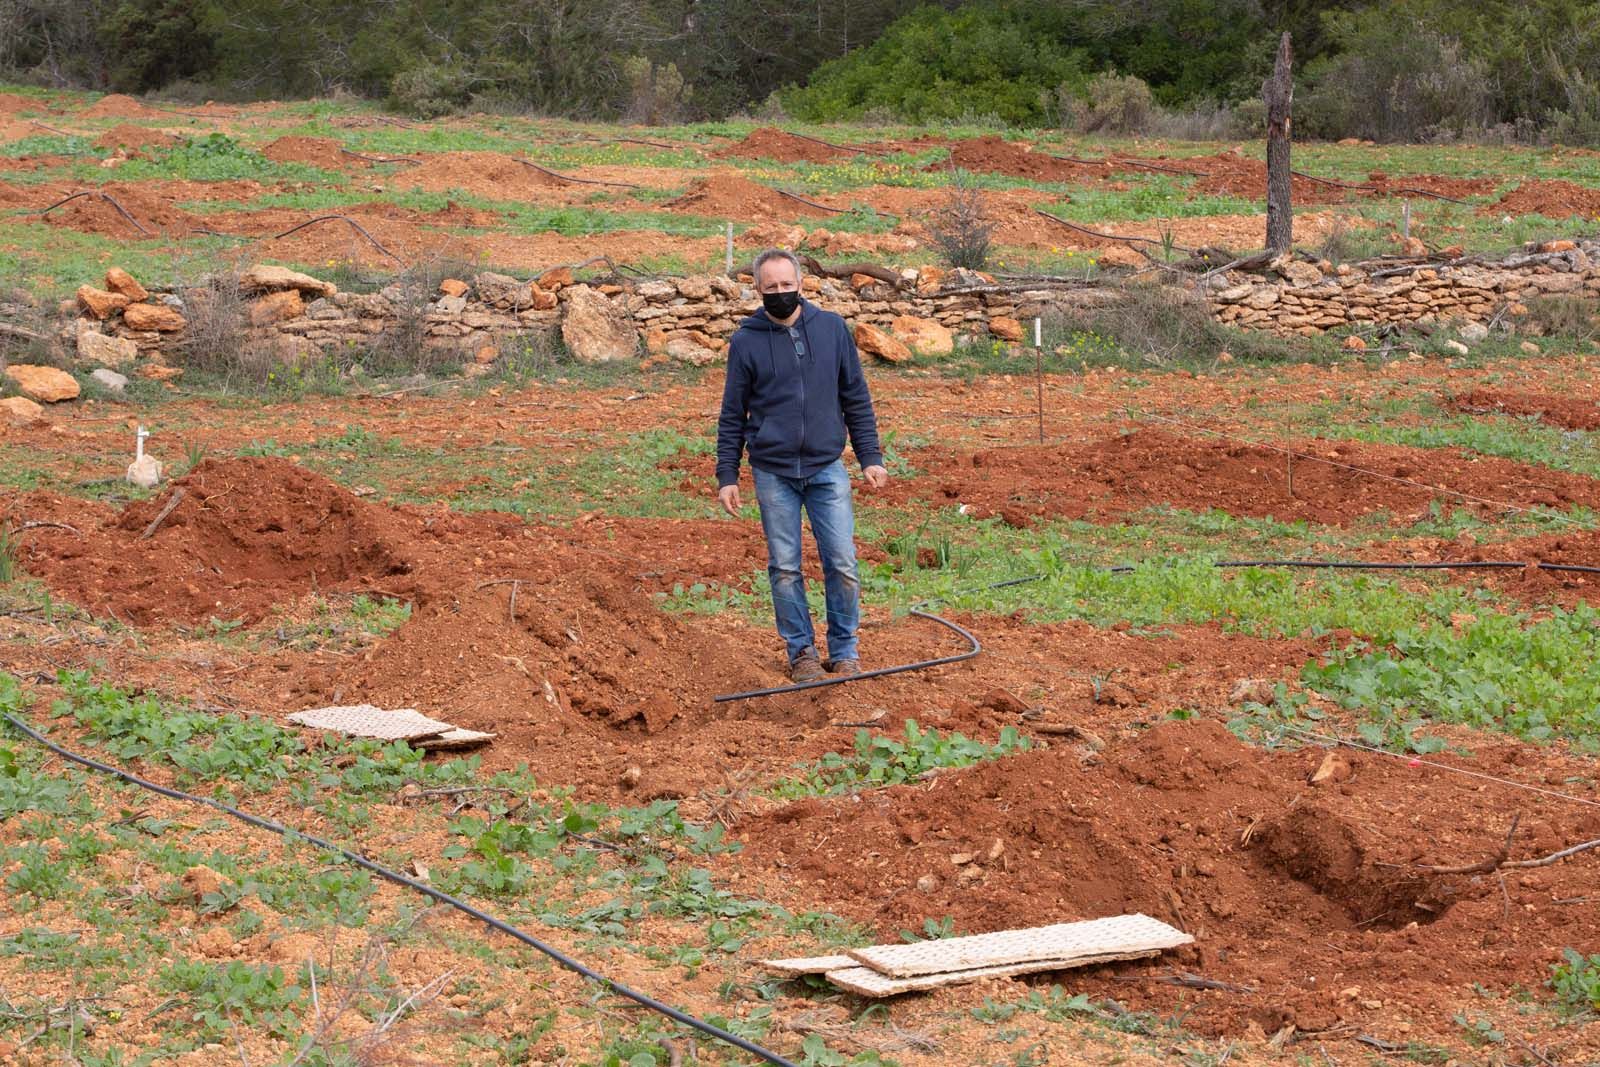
x=880, y=760
x=1576, y=979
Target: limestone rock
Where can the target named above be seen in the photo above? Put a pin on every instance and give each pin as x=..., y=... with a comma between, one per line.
x=923, y=335
x=120, y=281
x=686, y=350
x=264, y=279
x=44, y=384
x=595, y=330
x=111, y=380
x=1353, y=344
x=1473, y=332
x=695, y=287
x=1301, y=274
x=454, y=287
x=657, y=291
x=20, y=411
x=555, y=278
x=450, y=305
x=876, y=343
x=1006, y=328
x=99, y=303
x=930, y=280
x=105, y=351
x=542, y=299
x=158, y=317
x=277, y=306
x=1456, y=348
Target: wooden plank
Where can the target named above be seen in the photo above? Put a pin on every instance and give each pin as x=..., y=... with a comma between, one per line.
x=1063, y=941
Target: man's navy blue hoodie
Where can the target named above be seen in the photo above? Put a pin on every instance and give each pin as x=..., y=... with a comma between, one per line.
x=793, y=411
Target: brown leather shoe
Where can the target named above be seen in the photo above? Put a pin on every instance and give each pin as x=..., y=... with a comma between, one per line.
x=844, y=666
x=806, y=667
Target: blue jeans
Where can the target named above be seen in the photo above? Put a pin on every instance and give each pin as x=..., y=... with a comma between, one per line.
x=825, y=497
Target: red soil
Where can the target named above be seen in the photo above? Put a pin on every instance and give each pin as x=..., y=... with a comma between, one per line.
x=1564, y=411
x=321, y=152
x=127, y=135
x=729, y=195
x=769, y=142
x=118, y=106
x=995, y=155
x=156, y=211
x=1306, y=894
x=488, y=174
x=1553, y=199
x=1146, y=468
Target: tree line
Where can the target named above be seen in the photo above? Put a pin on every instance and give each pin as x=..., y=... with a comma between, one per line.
x=1383, y=69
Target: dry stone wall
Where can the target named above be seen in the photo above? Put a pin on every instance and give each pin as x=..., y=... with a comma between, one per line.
x=690, y=319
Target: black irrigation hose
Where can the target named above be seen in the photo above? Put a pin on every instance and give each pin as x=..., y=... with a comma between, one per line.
x=1127, y=568
x=411, y=883
x=878, y=673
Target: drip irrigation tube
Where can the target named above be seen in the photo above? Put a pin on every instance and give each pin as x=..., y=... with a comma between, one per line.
x=920, y=665
x=1127, y=568
x=396, y=877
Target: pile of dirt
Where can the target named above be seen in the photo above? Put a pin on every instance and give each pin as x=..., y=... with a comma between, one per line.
x=769, y=142
x=1568, y=412
x=1144, y=468
x=400, y=231
x=1306, y=897
x=246, y=534
x=322, y=152
x=119, y=106
x=1552, y=199
x=1400, y=185
x=127, y=135
x=155, y=210
x=1229, y=174
x=993, y=154
x=487, y=174
x=729, y=195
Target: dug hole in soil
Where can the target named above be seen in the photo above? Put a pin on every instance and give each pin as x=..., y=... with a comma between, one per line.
x=1307, y=898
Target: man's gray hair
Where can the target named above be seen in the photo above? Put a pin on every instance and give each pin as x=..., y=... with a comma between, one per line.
x=767, y=256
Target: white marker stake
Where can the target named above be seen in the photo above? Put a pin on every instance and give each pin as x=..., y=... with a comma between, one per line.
x=730, y=249
x=1038, y=372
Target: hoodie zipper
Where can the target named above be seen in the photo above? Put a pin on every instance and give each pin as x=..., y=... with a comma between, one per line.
x=800, y=369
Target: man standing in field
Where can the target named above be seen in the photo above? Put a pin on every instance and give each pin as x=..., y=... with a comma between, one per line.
x=794, y=388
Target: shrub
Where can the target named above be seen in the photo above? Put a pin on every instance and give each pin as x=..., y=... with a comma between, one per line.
x=960, y=226
x=216, y=338
x=656, y=92
x=428, y=90
x=1417, y=84
x=1110, y=103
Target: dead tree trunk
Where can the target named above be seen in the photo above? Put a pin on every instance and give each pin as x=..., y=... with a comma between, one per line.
x=1278, y=91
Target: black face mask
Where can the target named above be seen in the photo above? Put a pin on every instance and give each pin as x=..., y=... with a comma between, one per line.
x=780, y=305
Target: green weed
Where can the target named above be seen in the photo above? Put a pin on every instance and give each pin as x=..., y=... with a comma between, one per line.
x=221, y=996
x=878, y=760
x=1576, y=980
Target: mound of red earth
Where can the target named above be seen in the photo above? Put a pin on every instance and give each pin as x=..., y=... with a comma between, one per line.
x=728, y=195
x=529, y=632
x=769, y=142
x=153, y=210
x=1333, y=482
x=127, y=135
x=488, y=174
x=322, y=152
x=119, y=106
x=1553, y=199
x=245, y=535
x=996, y=155
x=1568, y=412
x=1306, y=900
x=12, y=103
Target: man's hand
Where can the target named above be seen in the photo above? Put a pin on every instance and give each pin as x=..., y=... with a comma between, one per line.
x=728, y=497
x=876, y=476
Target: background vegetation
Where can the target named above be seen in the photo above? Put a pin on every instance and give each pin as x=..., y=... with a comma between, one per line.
x=1522, y=70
